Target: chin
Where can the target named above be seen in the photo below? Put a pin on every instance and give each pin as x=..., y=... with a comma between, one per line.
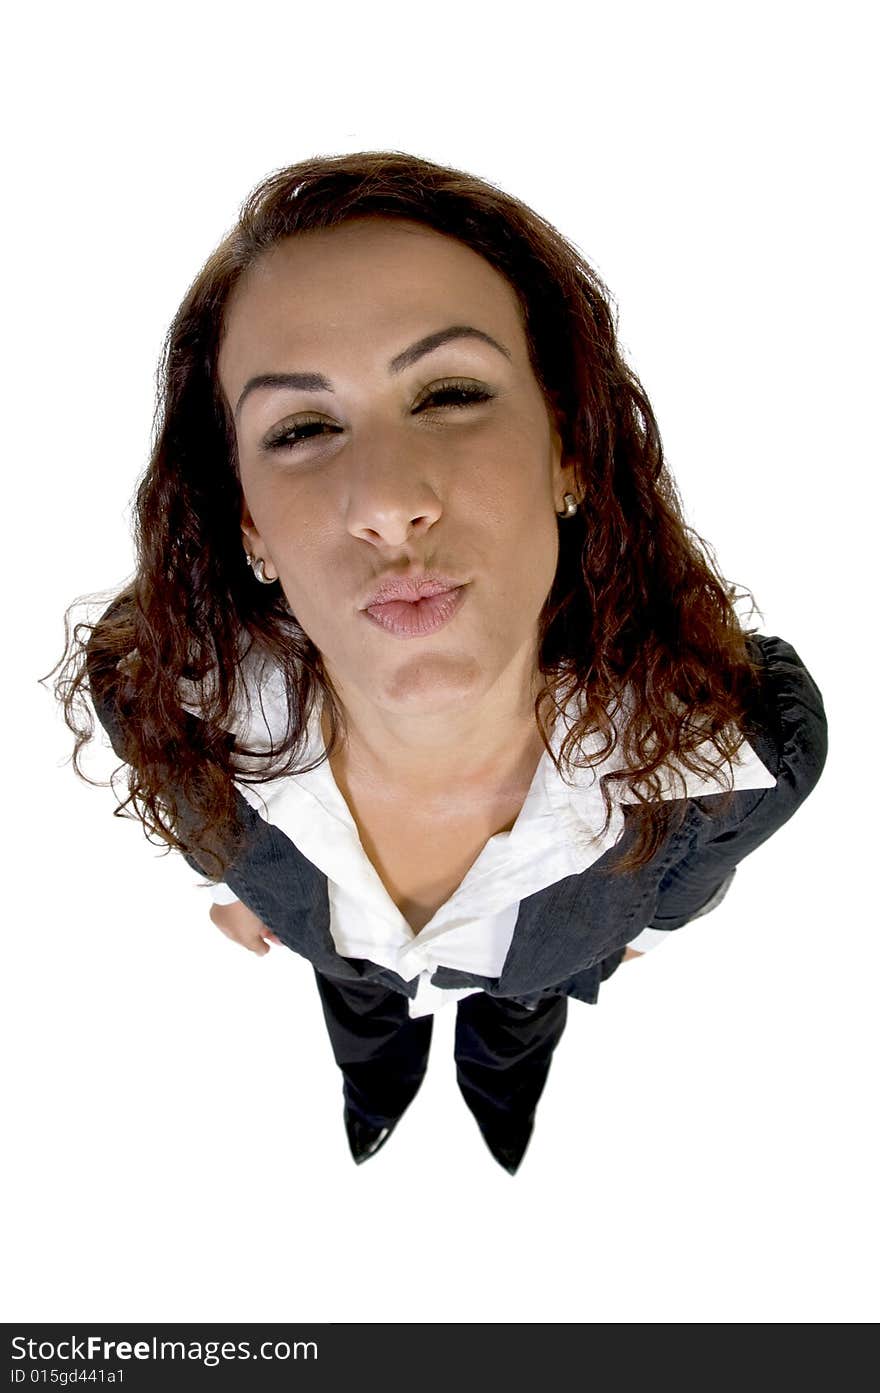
x=432, y=682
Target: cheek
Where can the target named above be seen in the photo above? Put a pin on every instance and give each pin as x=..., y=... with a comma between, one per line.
x=305, y=550
x=538, y=560
x=287, y=522
x=520, y=566
x=533, y=547
x=513, y=478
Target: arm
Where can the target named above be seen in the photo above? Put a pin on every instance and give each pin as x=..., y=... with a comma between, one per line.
x=228, y=912
x=793, y=743
x=221, y=893
x=240, y=924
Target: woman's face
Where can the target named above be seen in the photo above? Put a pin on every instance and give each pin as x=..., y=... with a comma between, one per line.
x=384, y=481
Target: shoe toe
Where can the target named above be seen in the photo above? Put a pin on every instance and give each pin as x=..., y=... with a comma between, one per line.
x=365, y=1140
x=508, y=1148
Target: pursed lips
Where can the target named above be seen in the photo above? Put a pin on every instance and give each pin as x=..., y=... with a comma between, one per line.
x=410, y=589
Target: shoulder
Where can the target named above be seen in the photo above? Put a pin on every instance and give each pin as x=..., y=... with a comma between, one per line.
x=788, y=726
x=788, y=731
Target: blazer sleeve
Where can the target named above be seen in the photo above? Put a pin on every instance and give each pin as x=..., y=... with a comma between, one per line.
x=791, y=737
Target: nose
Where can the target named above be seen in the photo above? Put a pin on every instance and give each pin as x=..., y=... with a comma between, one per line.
x=389, y=495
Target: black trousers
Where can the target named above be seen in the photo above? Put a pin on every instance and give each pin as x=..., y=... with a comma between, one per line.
x=503, y=1052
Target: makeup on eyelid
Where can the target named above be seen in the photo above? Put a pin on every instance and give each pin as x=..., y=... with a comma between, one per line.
x=287, y=438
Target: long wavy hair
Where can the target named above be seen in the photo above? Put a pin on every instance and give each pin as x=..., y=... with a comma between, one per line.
x=635, y=603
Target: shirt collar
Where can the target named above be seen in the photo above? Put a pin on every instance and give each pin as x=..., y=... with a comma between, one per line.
x=260, y=720
x=558, y=832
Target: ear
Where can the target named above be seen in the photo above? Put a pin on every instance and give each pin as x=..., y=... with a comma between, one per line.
x=570, y=484
x=253, y=542
x=563, y=474
x=251, y=535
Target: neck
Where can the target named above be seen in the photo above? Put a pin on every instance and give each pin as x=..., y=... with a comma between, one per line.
x=476, y=749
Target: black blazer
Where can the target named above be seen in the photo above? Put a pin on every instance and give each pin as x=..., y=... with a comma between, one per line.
x=570, y=936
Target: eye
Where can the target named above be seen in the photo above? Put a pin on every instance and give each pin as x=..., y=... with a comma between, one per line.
x=467, y=393
x=445, y=396
x=289, y=436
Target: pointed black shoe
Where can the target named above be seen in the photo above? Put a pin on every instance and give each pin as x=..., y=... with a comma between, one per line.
x=508, y=1148
x=364, y=1140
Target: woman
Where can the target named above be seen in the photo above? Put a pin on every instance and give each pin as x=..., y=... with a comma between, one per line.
x=420, y=664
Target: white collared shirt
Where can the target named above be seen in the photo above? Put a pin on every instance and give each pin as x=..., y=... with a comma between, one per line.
x=557, y=834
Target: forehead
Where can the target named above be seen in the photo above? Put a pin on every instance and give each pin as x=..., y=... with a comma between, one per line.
x=371, y=285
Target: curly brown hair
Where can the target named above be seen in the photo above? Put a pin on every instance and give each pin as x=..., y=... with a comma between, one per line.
x=634, y=600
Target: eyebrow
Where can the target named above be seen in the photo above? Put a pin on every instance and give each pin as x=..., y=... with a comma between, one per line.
x=317, y=382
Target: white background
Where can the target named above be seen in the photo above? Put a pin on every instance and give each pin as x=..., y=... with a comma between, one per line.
x=703, y=1150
